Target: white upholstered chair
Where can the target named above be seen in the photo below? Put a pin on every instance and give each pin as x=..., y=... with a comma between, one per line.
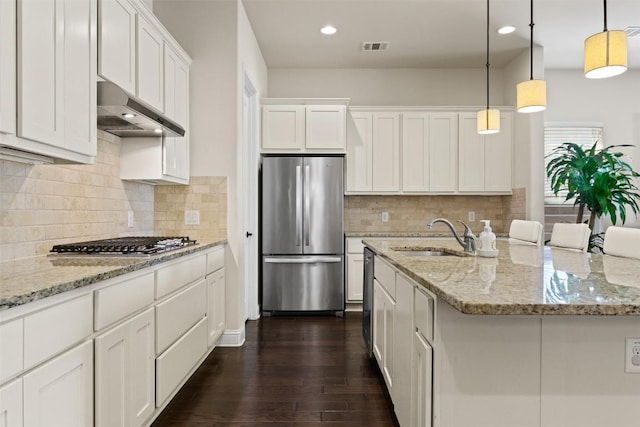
x=570, y=236
x=526, y=232
x=622, y=242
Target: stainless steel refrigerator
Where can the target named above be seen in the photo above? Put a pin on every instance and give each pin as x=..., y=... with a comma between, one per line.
x=302, y=234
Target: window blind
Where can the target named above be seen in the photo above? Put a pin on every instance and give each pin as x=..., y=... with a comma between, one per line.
x=556, y=136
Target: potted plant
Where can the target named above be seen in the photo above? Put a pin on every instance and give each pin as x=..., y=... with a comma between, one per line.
x=598, y=179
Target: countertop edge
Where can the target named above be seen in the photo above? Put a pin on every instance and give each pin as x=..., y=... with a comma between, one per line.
x=109, y=272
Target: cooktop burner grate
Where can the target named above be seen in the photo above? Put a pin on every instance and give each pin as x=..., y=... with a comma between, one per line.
x=135, y=245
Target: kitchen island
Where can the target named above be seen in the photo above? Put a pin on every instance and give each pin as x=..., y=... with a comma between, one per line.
x=534, y=337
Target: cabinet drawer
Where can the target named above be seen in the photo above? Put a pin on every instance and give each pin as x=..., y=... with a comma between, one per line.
x=177, y=275
x=11, y=349
x=424, y=314
x=122, y=299
x=386, y=275
x=215, y=260
x=179, y=313
x=175, y=363
x=355, y=245
x=57, y=328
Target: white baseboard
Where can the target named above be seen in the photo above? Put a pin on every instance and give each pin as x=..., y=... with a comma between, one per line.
x=231, y=338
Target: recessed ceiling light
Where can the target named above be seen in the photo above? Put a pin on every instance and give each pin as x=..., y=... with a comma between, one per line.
x=158, y=130
x=128, y=115
x=328, y=30
x=507, y=29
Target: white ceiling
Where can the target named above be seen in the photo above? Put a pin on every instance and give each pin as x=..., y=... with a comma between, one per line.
x=431, y=33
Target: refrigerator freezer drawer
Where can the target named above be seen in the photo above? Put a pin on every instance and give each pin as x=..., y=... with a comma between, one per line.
x=303, y=283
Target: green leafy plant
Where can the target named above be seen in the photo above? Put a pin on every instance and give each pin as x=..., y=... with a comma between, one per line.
x=596, y=179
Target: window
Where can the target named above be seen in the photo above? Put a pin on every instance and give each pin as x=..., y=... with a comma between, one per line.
x=556, y=135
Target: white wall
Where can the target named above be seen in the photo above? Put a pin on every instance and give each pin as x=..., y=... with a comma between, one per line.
x=218, y=38
x=381, y=86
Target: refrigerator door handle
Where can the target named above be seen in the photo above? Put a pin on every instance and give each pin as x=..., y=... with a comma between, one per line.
x=298, y=206
x=303, y=260
x=307, y=204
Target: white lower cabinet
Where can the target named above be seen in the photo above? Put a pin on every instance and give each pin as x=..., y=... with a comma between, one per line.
x=355, y=276
x=11, y=404
x=60, y=392
x=216, y=310
x=403, y=328
x=124, y=373
x=421, y=382
x=383, y=326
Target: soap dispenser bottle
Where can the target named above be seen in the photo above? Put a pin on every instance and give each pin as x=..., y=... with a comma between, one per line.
x=487, y=241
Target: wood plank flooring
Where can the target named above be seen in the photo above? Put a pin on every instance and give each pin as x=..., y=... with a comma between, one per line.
x=292, y=371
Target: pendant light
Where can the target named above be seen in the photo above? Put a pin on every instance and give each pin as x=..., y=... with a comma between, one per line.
x=605, y=53
x=531, y=95
x=488, y=120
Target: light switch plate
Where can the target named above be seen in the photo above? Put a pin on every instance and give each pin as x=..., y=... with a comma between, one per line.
x=385, y=216
x=130, y=219
x=632, y=356
x=192, y=217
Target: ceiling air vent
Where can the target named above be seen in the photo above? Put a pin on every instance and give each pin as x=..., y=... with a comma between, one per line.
x=633, y=32
x=374, y=46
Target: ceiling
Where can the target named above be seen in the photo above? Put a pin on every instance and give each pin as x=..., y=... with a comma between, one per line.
x=431, y=33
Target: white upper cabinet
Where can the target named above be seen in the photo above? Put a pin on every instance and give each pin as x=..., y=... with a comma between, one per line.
x=484, y=161
x=359, y=157
x=8, y=67
x=386, y=152
x=56, y=74
x=303, y=126
x=176, y=107
x=117, y=43
x=429, y=148
x=150, y=64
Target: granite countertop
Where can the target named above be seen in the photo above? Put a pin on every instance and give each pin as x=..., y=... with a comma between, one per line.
x=411, y=235
x=29, y=279
x=522, y=280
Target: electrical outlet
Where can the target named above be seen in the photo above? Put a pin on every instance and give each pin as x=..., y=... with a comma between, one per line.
x=385, y=216
x=632, y=356
x=191, y=217
x=131, y=222
x=472, y=216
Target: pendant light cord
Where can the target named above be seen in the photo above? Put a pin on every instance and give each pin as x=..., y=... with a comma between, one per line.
x=531, y=25
x=488, y=54
x=605, y=15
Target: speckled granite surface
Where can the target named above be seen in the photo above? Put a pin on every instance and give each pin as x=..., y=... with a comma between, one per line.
x=30, y=279
x=522, y=280
x=395, y=235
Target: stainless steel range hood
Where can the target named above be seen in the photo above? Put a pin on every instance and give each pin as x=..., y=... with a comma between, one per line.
x=122, y=115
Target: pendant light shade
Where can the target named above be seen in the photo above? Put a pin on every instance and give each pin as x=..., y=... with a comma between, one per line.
x=605, y=53
x=531, y=95
x=488, y=120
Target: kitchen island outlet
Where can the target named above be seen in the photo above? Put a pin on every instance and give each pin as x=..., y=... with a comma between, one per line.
x=533, y=338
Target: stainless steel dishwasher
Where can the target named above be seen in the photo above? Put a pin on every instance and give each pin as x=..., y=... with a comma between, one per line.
x=367, y=300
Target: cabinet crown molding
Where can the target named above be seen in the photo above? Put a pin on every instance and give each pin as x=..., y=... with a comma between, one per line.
x=305, y=101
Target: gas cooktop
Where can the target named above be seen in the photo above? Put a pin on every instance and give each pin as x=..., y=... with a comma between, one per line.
x=135, y=245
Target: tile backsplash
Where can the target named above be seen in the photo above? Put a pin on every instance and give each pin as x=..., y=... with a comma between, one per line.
x=44, y=205
x=410, y=214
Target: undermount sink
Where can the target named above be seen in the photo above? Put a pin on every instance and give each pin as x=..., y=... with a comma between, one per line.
x=411, y=252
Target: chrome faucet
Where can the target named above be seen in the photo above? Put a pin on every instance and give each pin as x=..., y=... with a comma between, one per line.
x=469, y=242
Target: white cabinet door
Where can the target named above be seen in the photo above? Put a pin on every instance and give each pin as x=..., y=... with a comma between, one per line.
x=150, y=64
x=117, y=43
x=124, y=373
x=176, y=107
x=359, y=157
x=388, y=366
x=422, y=374
x=8, y=67
x=443, y=152
x=484, y=161
x=60, y=392
x=497, y=158
x=386, y=152
x=383, y=325
x=11, y=404
x=415, y=152
x=325, y=128
x=283, y=128
x=56, y=78
x=403, y=331
x=355, y=277
x=216, y=310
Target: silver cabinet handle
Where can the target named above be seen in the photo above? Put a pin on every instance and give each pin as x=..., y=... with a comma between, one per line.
x=302, y=260
x=307, y=204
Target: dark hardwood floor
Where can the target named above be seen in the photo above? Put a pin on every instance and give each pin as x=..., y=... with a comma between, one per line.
x=292, y=371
